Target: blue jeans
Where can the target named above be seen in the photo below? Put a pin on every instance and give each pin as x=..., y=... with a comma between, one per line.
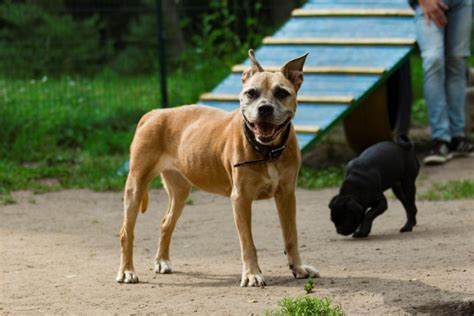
x=444, y=52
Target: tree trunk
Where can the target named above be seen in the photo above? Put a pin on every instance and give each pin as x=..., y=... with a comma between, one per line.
x=174, y=33
x=280, y=10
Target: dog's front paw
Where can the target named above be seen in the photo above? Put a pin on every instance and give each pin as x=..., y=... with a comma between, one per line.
x=127, y=276
x=360, y=234
x=305, y=271
x=406, y=228
x=363, y=230
x=163, y=266
x=250, y=279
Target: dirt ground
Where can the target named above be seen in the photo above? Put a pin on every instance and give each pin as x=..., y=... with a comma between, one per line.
x=60, y=252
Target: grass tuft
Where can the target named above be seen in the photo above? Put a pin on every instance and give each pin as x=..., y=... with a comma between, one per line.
x=451, y=190
x=308, y=287
x=322, y=178
x=306, y=305
x=6, y=198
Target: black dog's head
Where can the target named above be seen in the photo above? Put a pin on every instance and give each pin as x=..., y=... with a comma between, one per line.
x=346, y=214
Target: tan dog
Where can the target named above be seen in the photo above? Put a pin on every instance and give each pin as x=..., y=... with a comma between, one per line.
x=221, y=152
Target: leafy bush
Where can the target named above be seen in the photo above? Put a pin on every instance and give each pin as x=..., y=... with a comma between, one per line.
x=34, y=41
x=306, y=306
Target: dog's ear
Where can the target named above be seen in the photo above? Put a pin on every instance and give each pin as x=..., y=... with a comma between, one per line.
x=355, y=207
x=293, y=71
x=254, y=67
x=333, y=202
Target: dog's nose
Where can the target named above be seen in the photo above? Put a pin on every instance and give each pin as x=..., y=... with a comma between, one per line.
x=265, y=110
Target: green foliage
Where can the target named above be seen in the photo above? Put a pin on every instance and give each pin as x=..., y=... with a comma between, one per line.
x=5, y=197
x=451, y=190
x=318, y=179
x=139, y=56
x=416, y=76
x=309, y=285
x=34, y=41
x=306, y=305
x=79, y=130
x=40, y=118
x=419, y=113
x=217, y=36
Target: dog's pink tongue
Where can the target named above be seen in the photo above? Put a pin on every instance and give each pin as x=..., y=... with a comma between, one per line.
x=265, y=128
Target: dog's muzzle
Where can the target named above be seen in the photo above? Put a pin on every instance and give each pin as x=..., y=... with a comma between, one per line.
x=343, y=231
x=265, y=132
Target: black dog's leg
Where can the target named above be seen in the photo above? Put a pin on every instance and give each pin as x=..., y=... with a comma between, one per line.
x=406, y=192
x=364, y=229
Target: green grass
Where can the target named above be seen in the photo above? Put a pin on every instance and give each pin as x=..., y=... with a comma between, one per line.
x=78, y=130
x=322, y=178
x=306, y=305
x=451, y=190
x=42, y=118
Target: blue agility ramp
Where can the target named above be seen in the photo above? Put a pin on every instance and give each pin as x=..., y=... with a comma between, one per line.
x=354, y=47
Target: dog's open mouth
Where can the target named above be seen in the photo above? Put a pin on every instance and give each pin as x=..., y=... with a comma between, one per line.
x=266, y=132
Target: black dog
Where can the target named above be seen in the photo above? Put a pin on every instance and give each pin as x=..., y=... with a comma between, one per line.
x=360, y=200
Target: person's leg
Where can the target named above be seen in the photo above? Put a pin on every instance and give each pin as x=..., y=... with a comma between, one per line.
x=458, y=37
x=430, y=39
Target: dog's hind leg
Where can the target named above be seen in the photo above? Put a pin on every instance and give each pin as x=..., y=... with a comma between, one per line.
x=178, y=189
x=406, y=193
x=135, y=189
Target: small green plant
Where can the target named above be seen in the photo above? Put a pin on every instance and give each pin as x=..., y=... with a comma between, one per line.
x=6, y=198
x=451, y=190
x=306, y=305
x=308, y=287
x=189, y=201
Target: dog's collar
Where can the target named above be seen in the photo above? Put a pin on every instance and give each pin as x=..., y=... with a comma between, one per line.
x=269, y=152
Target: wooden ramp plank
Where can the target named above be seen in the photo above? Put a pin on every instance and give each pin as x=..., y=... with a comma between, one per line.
x=314, y=85
x=356, y=4
x=353, y=12
x=301, y=98
x=309, y=121
x=322, y=69
x=381, y=28
x=330, y=55
x=307, y=116
x=337, y=41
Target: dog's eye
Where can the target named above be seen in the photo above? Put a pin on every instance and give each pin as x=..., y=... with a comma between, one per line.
x=281, y=93
x=251, y=93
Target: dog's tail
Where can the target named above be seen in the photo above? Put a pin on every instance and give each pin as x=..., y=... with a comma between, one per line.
x=144, y=203
x=404, y=142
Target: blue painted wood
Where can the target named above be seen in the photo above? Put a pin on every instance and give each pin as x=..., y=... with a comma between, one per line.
x=306, y=115
x=304, y=139
x=321, y=115
x=360, y=56
x=314, y=85
x=386, y=57
x=348, y=27
x=359, y=4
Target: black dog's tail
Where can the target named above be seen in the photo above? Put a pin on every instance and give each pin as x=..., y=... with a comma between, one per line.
x=404, y=142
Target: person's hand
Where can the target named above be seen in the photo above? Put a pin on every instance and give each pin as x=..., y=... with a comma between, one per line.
x=433, y=11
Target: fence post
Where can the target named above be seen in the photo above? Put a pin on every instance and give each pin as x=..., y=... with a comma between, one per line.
x=161, y=53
